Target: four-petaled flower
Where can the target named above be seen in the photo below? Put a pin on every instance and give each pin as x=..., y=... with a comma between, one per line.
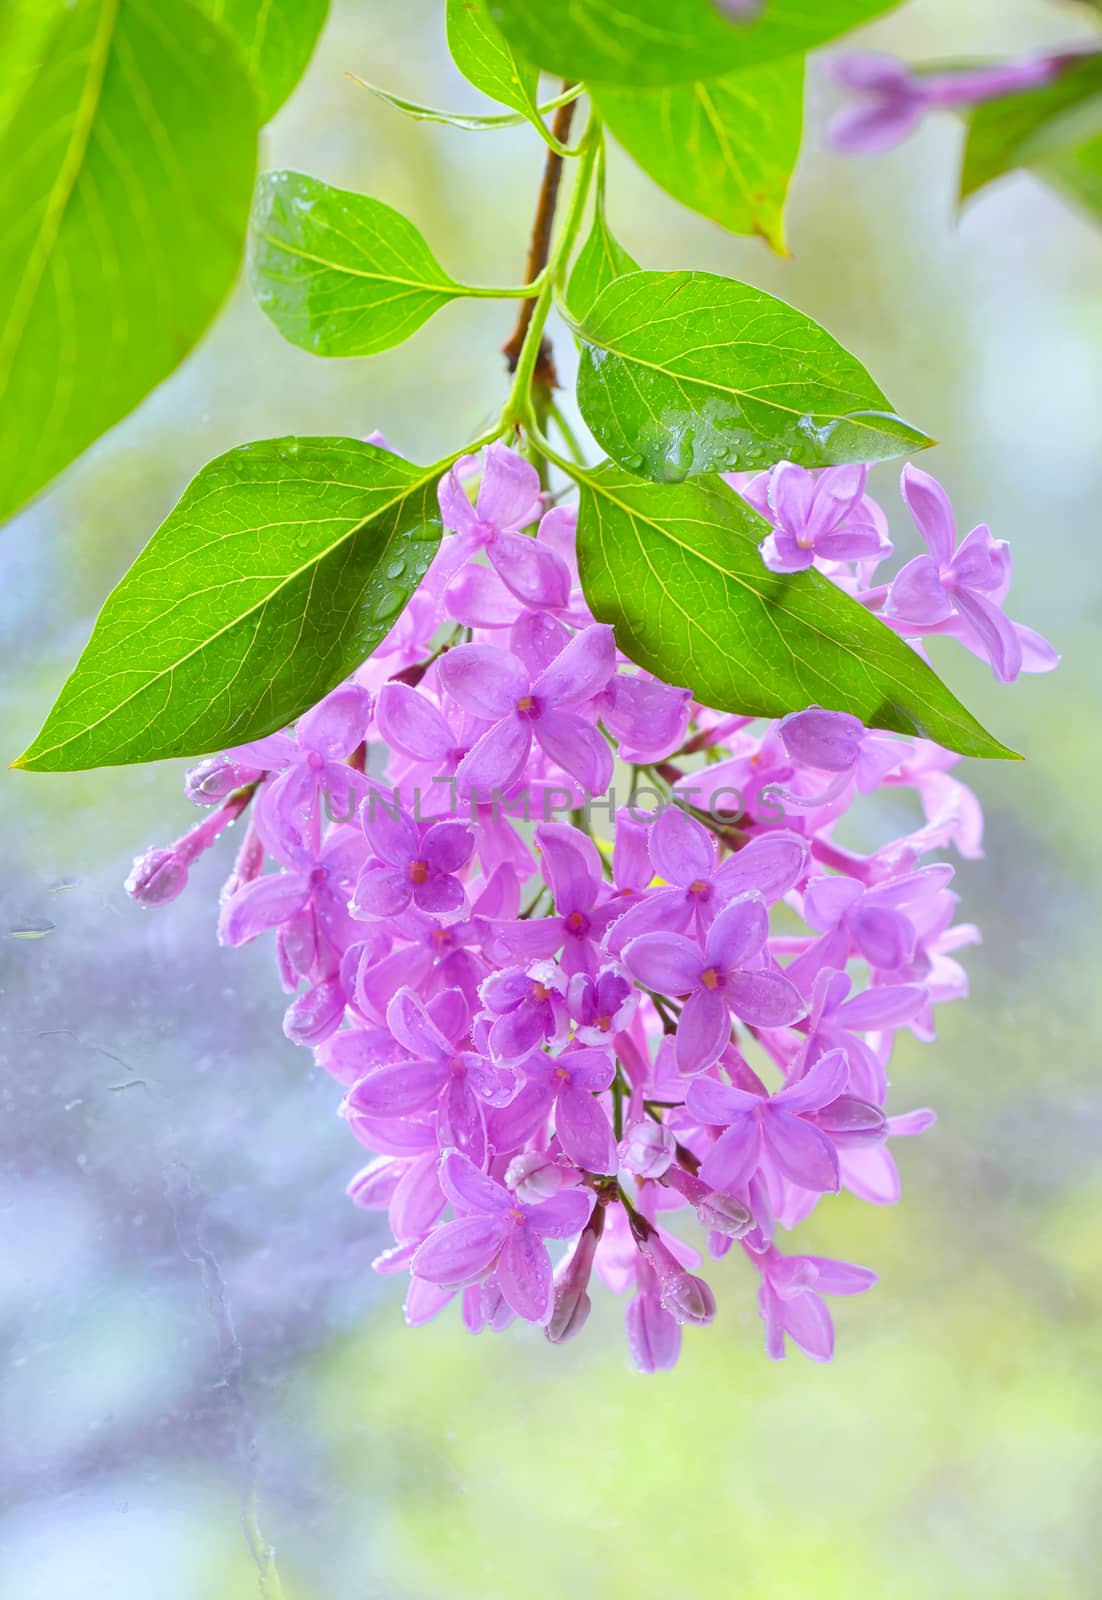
x=495, y=1232
x=727, y=976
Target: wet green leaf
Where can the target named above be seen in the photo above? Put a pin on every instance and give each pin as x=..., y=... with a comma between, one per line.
x=684, y=373
x=675, y=569
x=281, y=568
x=338, y=273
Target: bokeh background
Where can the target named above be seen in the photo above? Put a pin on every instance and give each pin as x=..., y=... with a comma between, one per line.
x=197, y=1361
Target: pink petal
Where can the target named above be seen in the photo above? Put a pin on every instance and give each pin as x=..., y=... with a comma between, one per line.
x=771, y=865
x=734, y=1156
x=667, y=962
x=883, y=1007
x=563, y=1215
x=931, y=511
x=584, y=1131
x=391, y=834
x=703, y=1031
x=460, y=1252
x=455, y=505
x=809, y=1323
x=509, y=495
x=398, y=1090
x=580, y=671
x=589, y=1068
x=260, y=905
x=410, y=723
x=529, y=570
x=524, y=1274
x=737, y=934
x=497, y=759
x=469, y=1189
x=440, y=893
x=826, y=1080
x=413, y=1028
x=381, y=892
x=417, y=1201
x=996, y=632
x=337, y=724
x=869, y=130
x=827, y=740
x=765, y=999
x=477, y=597
x=459, y=1119
x=715, y=1103
x=804, y=1155
x=917, y=593
x=486, y=681
x=578, y=748
x=680, y=848
x=571, y=865
x=654, y=1337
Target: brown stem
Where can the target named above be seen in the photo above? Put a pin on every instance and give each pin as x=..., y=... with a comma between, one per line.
x=539, y=248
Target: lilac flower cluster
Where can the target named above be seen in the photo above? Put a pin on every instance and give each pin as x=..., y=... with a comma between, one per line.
x=548, y=1037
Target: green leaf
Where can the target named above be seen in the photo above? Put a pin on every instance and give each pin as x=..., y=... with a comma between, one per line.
x=487, y=60
x=1056, y=131
x=338, y=273
x=125, y=173
x=676, y=571
x=281, y=568
x=725, y=147
x=451, y=119
x=277, y=39
x=683, y=373
x=641, y=42
x=601, y=259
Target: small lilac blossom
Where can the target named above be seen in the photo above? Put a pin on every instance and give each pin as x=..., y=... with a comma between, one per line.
x=529, y=1007
x=823, y=513
x=684, y=857
x=495, y=1231
x=601, y=1006
x=411, y=865
x=894, y=99
x=774, y=1128
x=569, y=1083
x=791, y=1300
x=969, y=580
x=496, y=686
x=727, y=976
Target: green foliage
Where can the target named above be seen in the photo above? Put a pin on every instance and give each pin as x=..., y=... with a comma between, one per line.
x=725, y=147
x=281, y=568
x=277, y=39
x=601, y=259
x=685, y=373
x=1055, y=131
x=117, y=246
x=676, y=571
x=640, y=42
x=487, y=60
x=340, y=274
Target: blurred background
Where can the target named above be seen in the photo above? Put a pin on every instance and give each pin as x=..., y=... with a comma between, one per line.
x=197, y=1361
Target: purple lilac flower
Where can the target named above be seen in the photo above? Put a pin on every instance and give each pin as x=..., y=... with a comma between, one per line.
x=496, y=686
x=726, y=976
x=893, y=99
x=823, y=513
x=496, y=1232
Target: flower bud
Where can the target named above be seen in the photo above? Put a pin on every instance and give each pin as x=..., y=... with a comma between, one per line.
x=216, y=778
x=689, y=1299
x=372, y=1187
x=534, y=1176
x=647, y=1149
x=569, y=1316
x=156, y=877
x=719, y=1213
